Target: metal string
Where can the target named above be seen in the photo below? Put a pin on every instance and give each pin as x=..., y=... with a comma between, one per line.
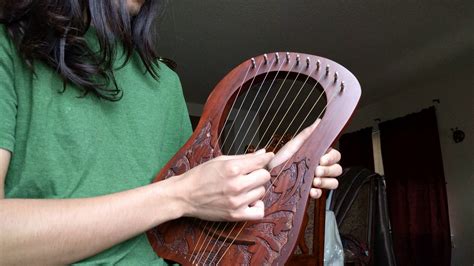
x=292, y=85
x=261, y=104
x=278, y=110
x=220, y=134
x=271, y=85
x=235, y=100
x=276, y=113
x=250, y=108
x=233, y=122
x=301, y=107
x=276, y=178
x=319, y=116
x=207, y=245
x=241, y=104
x=213, y=234
x=244, y=120
x=286, y=113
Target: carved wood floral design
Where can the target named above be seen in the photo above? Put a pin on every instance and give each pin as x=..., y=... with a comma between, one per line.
x=207, y=241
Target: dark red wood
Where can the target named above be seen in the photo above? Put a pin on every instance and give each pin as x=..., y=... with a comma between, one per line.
x=319, y=230
x=272, y=239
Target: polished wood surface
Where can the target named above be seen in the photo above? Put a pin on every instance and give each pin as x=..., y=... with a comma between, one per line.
x=272, y=239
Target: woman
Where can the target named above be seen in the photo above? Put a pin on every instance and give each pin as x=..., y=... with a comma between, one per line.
x=88, y=117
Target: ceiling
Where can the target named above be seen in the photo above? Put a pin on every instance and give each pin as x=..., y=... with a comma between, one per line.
x=384, y=43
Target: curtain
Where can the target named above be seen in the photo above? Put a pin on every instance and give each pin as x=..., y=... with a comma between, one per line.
x=356, y=149
x=416, y=189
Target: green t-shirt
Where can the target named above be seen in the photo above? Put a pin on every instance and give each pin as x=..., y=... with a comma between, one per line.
x=65, y=146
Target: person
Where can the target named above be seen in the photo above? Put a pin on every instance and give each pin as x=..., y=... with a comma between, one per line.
x=88, y=116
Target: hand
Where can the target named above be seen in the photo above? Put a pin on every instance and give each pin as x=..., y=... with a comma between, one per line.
x=328, y=167
x=227, y=187
x=326, y=172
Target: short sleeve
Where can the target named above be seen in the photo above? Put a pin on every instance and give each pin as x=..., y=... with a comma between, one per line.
x=8, y=98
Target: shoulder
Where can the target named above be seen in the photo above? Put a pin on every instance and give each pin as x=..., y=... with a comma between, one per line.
x=166, y=71
x=168, y=76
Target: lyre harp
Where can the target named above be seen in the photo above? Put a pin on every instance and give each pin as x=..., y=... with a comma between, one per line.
x=271, y=240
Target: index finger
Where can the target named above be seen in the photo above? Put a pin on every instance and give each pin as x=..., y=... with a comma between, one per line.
x=251, y=162
x=293, y=145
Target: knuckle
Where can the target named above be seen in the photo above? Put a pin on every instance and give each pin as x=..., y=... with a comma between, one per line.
x=262, y=160
x=222, y=157
x=234, y=203
x=317, y=182
x=318, y=171
x=325, y=171
x=233, y=216
x=266, y=175
x=322, y=160
x=232, y=168
x=233, y=188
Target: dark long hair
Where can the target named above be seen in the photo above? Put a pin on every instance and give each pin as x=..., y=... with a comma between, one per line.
x=52, y=31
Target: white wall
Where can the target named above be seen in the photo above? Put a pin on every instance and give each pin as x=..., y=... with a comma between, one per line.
x=455, y=91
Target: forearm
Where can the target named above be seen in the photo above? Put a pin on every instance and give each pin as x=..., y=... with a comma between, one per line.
x=64, y=231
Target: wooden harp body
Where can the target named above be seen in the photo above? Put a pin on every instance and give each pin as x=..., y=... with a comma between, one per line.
x=269, y=241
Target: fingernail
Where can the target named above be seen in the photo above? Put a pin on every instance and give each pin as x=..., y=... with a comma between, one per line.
x=261, y=151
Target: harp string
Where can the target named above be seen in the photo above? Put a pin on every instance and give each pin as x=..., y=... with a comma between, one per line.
x=304, y=120
x=235, y=100
x=260, y=106
x=273, y=182
x=220, y=134
x=276, y=113
x=246, y=133
x=202, y=248
x=223, y=144
x=266, y=94
x=245, y=119
x=294, y=118
x=208, y=243
x=250, y=108
x=241, y=104
x=288, y=91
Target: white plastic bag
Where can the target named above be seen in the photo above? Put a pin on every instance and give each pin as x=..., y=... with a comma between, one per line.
x=333, y=250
